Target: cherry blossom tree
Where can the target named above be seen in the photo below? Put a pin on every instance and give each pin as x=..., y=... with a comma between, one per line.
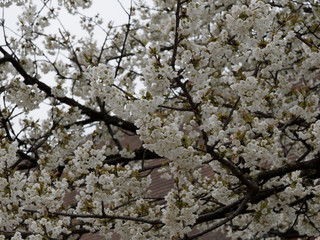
x=231, y=86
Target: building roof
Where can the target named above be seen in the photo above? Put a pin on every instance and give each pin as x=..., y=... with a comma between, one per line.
x=159, y=188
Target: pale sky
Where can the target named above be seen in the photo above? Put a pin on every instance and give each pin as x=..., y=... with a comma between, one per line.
x=109, y=10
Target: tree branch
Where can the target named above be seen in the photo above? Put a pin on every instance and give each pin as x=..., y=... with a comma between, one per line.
x=29, y=80
x=135, y=219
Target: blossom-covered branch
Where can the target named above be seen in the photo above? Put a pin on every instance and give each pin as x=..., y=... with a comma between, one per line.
x=193, y=117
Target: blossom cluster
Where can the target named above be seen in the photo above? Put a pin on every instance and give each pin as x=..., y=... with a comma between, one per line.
x=217, y=99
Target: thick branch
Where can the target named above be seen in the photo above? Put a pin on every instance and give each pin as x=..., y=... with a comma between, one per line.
x=241, y=207
x=29, y=80
x=176, y=37
x=139, y=154
x=312, y=164
x=235, y=171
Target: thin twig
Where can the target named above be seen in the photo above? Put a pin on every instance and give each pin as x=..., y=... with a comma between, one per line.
x=230, y=114
x=135, y=219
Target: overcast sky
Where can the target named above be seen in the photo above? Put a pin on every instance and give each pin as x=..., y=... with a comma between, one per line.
x=109, y=10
